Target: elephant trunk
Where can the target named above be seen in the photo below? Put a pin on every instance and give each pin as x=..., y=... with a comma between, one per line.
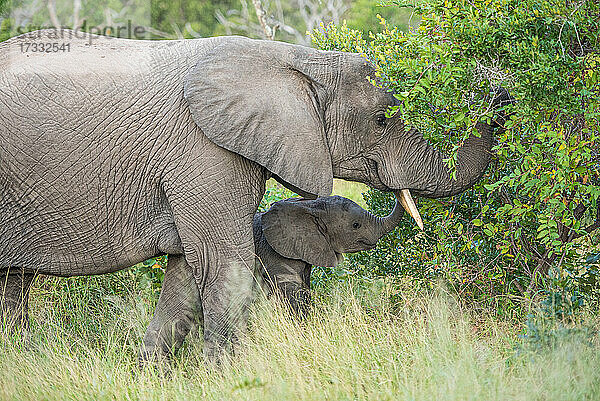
x=473, y=158
x=426, y=174
x=386, y=224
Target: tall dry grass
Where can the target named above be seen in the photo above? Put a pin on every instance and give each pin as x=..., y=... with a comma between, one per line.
x=357, y=345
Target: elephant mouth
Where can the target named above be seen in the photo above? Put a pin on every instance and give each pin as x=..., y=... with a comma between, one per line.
x=361, y=245
x=365, y=245
x=376, y=179
x=403, y=195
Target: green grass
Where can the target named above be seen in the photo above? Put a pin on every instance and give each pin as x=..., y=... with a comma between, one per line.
x=350, y=190
x=358, y=345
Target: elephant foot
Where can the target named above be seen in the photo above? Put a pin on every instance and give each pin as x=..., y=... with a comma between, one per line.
x=155, y=359
x=177, y=314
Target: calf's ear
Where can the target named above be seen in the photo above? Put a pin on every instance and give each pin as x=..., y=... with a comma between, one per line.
x=294, y=230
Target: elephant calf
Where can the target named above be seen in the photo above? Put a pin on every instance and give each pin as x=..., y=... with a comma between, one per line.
x=296, y=233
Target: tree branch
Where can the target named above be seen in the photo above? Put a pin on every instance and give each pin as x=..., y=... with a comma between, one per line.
x=594, y=226
x=76, y=10
x=261, y=15
x=52, y=13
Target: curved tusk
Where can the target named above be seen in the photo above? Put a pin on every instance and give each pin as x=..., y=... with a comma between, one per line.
x=409, y=205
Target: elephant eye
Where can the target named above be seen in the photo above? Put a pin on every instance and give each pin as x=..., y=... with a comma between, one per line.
x=381, y=120
x=356, y=225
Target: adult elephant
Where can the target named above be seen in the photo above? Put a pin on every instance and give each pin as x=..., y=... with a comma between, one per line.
x=113, y=151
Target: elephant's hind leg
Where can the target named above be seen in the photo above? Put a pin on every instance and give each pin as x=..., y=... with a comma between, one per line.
x=14, y=298
x=178, y=311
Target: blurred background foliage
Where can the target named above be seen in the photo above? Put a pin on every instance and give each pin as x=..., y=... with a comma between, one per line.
x=178, y=19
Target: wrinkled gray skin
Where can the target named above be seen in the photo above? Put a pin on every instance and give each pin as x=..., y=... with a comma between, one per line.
x=295, y=234
x=120, y=150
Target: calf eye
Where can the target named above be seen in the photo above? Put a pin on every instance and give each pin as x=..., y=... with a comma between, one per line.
x=381, y=120
x=356, y=225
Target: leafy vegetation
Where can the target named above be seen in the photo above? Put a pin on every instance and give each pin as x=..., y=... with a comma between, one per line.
x=535, y=213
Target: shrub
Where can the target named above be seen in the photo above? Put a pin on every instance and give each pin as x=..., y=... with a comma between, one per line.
x=273, y=193
x=537, y=207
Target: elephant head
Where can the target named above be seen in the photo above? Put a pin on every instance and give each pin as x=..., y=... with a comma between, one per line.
x=318, y=231
x=305, y=232
x=308, y=116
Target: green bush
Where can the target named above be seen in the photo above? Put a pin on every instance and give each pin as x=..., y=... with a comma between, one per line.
x=150, y=273
x=274, y=192
x=537, y=207
x=559, y=318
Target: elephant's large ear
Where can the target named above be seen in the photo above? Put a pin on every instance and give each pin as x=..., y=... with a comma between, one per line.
x=294, y=231
x=259, y=99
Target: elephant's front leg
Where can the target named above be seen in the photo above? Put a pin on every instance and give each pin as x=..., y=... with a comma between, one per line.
x=178, y=311
x=213, y=195
x=226, y=298
x=221, y=256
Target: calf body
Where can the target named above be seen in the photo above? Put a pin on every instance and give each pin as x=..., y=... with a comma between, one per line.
x=295, y=234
